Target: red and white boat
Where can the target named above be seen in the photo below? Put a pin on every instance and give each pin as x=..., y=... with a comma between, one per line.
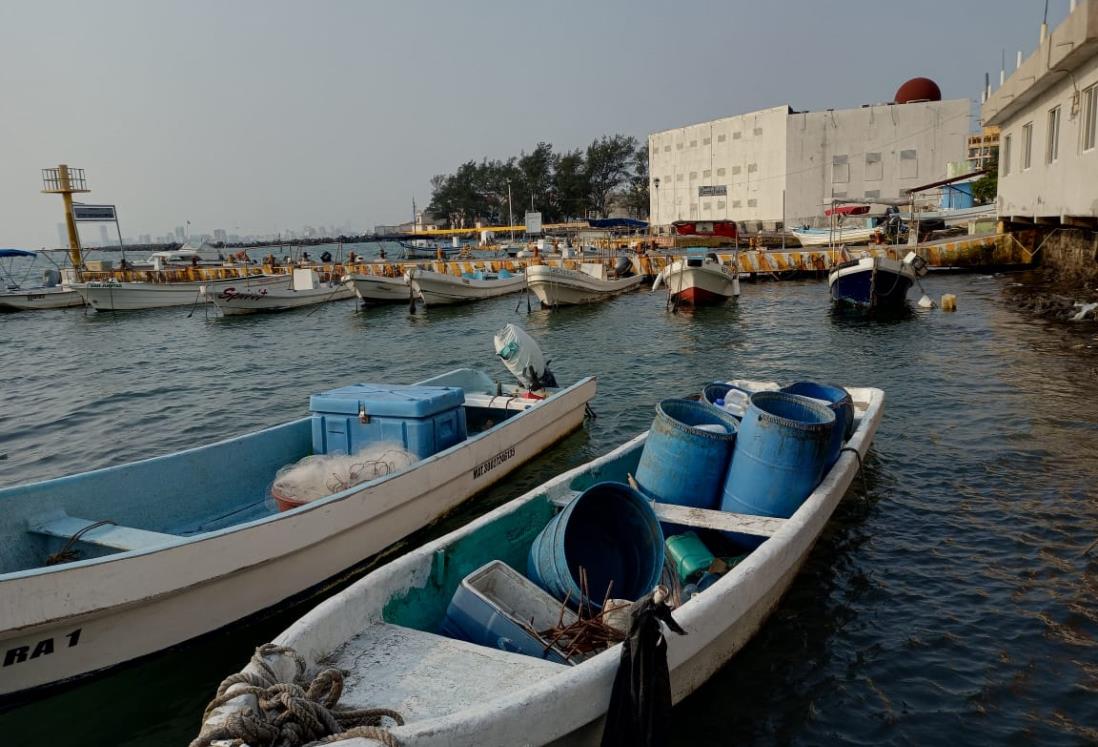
x=699, y=280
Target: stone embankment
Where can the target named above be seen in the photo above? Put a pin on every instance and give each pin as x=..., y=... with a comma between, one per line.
x=1065, y=285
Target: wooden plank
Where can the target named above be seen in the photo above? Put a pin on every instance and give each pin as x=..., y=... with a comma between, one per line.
x=702, y=518
x=109, y=535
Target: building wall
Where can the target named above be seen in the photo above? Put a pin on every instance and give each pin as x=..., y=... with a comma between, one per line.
x=1066, y=187
x=874, y=152
x=744, y=154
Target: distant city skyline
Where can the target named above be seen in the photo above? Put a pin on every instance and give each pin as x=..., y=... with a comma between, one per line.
x=261, y=118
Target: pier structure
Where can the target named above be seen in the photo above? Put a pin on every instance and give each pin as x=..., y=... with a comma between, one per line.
x=66, y=181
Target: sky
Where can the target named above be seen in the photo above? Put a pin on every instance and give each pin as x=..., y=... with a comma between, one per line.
x=257, y=117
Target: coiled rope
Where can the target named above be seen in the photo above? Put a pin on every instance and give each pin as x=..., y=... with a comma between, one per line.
x=302, y=713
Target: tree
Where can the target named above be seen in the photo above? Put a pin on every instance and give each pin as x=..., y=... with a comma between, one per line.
x=570, y=186
x=609, y=161
x=537, y=176
x=986, y=188
x=636, y=198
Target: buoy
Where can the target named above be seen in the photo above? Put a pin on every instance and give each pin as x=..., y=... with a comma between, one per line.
x=925, y=302
x=949, y=302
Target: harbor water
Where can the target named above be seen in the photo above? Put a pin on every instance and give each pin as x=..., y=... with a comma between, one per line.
x=948, y=601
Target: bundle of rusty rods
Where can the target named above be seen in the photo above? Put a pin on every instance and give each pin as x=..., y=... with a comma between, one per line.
x=589, y=633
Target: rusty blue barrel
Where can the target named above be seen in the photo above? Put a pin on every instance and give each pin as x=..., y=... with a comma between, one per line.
x=686, y=454
x=781, y=453
x=839, y=400
x=611, y=532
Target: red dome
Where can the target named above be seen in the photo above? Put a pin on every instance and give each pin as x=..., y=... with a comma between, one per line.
x=918, y=89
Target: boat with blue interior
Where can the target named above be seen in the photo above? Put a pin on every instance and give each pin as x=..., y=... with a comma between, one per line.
x=440, y=288
x=106, y=566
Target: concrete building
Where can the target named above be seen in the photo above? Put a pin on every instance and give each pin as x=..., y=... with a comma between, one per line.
x=1047, y=111
x=745, y=167
x=983, y=148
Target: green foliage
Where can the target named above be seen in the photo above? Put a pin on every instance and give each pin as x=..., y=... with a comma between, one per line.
x=986, y=188
x=562, y=186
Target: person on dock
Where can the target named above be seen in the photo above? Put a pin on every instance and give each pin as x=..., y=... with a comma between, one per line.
x=326, y=257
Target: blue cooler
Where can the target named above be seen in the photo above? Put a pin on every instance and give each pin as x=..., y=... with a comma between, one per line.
x=426, y=419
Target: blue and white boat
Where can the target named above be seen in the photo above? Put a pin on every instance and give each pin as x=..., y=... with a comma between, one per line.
x=872, y=283
x=52, y=293
x=390, y=639
x=107, y=566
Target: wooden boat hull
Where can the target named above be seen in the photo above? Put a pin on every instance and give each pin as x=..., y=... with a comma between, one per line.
x=61, y=622
x=31, y=299
x=126, y=296
x=372, y=289
x=871, y=283
x=569, y=701
x=557, y=286
x=439, y=289
x=232, y=301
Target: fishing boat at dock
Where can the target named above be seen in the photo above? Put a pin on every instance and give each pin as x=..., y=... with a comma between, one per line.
x=699, y=281
x=306, y=289
x=560, y=286
x=374, y=289
x=125, y=295
x=399, y=639
x=104, y=567
x=439, y=288
x=871, y=283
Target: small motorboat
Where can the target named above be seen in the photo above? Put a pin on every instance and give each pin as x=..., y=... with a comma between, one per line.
x=306, y=289
x=420, y=249
x=873, y=283
x=439, y=288
x=374, y=289
x=699, y=280
x=50, y=294
x=559, y=286
x=462, y=637
x=103, y=567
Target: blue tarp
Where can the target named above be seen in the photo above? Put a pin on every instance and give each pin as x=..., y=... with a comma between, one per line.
x=16, y=253
x=617, y=223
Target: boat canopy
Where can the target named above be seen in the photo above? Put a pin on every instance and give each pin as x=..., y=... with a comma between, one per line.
x=17, y=253
x=617, y=223
x=847, y=210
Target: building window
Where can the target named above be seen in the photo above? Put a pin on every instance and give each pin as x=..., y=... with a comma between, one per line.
x=752, y=168
x=667, y=178
x=678, y=177
x=707, y=141
x=736, y=170
x=874, y=167
x=706, y=174
x=872, y=194
x=909, y=164
x=736, y=203
x=667, y=149
x=721, y=138
x=1005, y=155
x=720, y=204
x=706, y=205
x=693, y=143
x=840, y=170
x=839, y=195
x=720, y=172
x=1090, y=116
x=1027, y=145
x=737, y=135
x=693, y=175
x=757, y=131
x=1052, y=147
x=752, y=203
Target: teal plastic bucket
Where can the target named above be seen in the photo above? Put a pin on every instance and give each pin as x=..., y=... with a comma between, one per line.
x=689, y=555
x=781, y=453
x=686, y=454
x=611, y=531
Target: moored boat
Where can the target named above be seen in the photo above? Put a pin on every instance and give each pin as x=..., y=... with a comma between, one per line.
x=439, y=288
x=397, y=634
x=306, y=289
x=875, y=283
x=124, y=295
x=106, y=566
x=836, y=235
x=559, y=286
x=699, y=281
x=51, y=294
x=372, y=289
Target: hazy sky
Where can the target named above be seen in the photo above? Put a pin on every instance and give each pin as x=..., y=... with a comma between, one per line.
x=261, y=116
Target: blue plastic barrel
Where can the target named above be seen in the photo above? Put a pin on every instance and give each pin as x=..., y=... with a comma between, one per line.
x=840, y=401
x=686, y=454
x=611, y=531
x=781, y=453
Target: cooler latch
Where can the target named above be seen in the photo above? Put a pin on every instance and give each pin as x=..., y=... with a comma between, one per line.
x=362, y=416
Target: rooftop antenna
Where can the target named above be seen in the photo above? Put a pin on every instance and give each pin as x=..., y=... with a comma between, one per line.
x=1044, y=24
x=1002, y=69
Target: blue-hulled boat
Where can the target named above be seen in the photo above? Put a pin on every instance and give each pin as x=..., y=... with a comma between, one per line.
x=875, y=283
x=106, y=566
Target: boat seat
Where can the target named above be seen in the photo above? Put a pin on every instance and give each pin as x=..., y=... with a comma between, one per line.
x=110, y=536
x=702, y=518
x=425, y=675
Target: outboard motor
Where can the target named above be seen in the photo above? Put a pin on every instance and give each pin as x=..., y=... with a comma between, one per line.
x=523, y=358
x=51, y=277
x=623, y=268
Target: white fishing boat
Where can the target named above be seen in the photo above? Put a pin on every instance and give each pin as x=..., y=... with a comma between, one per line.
x=439, y=288
x=124, y=295
x=17, y=296
x=387, y=633
x=107, y=566
x=699, y=280
x=372, y=289
x=836, y=235
x=558, y=286
x=306, y=289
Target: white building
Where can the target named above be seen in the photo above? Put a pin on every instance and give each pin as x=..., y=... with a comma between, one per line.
x=745, y=167
x=1048, y=115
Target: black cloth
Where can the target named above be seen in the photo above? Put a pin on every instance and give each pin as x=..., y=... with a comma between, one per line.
x=640, y=703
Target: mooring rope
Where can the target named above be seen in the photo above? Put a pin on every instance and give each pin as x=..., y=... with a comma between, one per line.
x=861, y=472
x=302, y=713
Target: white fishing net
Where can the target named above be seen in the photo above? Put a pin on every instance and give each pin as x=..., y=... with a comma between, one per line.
x=318, y=476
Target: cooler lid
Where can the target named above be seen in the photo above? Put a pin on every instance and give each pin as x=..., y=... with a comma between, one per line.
x=388, y=400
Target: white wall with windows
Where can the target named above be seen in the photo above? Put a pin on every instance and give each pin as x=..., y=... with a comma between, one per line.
x=1048, y=113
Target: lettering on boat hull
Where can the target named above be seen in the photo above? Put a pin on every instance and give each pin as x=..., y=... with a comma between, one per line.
x=20, y=654
x=489, y=464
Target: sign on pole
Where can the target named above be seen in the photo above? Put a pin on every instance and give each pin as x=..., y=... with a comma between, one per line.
x=719, y=190
x=94, y=213
x=533, y=223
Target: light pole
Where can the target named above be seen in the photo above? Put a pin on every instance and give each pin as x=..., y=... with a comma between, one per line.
x=656, y=184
